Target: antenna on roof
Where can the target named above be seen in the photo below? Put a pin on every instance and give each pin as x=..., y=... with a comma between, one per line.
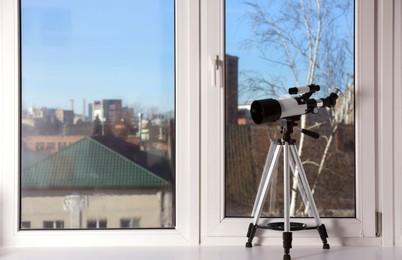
x=84, y=111
x=72, y=104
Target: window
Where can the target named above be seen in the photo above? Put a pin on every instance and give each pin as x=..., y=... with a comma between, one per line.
x=200, y=145
x=221, y=216
x=105, y=87
x=182, y=231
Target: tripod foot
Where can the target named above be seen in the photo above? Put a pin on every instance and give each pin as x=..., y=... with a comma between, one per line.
x=250, y=234
x=249, y=244
x=324, y=235
x=287, y=244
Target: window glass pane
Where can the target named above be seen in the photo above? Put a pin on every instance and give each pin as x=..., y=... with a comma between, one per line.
x=270, y=47
x=97, y=114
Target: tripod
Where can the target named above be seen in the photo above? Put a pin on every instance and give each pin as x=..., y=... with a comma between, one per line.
x=291, y=161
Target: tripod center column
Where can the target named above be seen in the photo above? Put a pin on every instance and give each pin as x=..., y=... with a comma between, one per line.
x=286, y=187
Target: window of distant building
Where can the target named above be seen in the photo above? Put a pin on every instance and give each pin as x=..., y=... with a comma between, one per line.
x=96, y=223
x=51, y=146
x=57, y=224
x=62, y=145
x=25, y=224
x=130, y=223
x=40, y=146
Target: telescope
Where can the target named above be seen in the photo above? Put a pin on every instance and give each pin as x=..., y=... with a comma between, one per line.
x=289, y=109
x=271, y=110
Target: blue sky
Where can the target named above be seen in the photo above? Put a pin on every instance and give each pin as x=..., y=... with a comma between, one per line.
x=123, y=49
x=97, y=49
x=239, y=29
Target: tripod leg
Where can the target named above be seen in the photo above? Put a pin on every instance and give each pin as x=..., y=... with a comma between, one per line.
x=287, y=235
x=300, y=187
x=310, y=200
x=296, y=178
x=264, y=175
x=261, y=196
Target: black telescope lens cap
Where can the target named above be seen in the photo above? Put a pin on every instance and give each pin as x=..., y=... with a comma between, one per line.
x=256, y=112
x=265, y=110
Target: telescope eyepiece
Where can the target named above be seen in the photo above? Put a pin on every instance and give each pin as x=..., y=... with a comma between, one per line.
x=330, y=101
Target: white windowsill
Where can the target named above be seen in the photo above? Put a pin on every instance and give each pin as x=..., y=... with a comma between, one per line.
x=195, y=252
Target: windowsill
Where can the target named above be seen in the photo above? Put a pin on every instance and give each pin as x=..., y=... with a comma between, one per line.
x=210, y=253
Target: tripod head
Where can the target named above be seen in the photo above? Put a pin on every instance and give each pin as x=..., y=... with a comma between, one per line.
x=287, y=130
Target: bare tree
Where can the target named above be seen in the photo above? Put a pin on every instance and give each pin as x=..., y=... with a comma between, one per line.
x=301, y=37
x=136, y=107
x=152, y=112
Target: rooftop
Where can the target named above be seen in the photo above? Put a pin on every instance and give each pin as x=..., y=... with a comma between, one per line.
x=101, y=162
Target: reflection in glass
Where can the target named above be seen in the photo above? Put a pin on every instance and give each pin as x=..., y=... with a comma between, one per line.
x=272, y=46
x=97, y=114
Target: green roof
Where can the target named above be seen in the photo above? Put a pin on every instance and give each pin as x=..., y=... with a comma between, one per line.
x=88, y=164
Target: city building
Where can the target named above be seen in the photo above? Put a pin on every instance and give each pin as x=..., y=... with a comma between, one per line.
x=98, y=182
x=232, y=88
x=65, y=117
x=108, y=110
x=51, y=143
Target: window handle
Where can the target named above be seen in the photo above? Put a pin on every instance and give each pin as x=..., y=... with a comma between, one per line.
x=217, y=71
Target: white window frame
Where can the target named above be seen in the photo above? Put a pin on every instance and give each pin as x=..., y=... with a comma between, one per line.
x=396, y=183
x=187, y=145
x=389, y=95
x=216, y=229
x=199, y=198
x=398, y=121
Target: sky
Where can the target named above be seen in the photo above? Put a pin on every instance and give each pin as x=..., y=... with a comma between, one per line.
x=97, y=49
x=122, y=49
x=239, y=29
